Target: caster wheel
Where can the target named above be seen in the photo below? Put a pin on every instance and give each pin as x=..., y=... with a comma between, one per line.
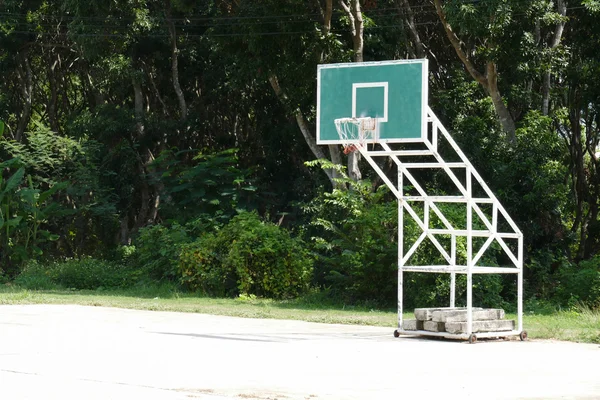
x=396, y=333
x=472, y=339
x=523, y=335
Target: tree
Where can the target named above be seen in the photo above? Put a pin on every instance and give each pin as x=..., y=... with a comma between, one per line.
x=489, y=78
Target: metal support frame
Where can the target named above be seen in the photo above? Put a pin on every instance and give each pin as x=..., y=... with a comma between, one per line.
x=495, y=228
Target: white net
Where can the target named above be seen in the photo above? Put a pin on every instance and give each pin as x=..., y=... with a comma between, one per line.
x=356, y=132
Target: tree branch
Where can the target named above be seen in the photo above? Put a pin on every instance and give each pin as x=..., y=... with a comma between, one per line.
x=404, y=7
x=457, y=44
x=558, y=31
x=308, y=136
x=175, y=65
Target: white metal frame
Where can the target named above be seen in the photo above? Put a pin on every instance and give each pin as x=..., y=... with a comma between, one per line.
x=494, y=231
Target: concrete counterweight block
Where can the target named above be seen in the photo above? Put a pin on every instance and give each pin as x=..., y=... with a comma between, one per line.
x=412, y=325
x=426, y=314
x=432, y=326
x=461, y=315
x=481, y=326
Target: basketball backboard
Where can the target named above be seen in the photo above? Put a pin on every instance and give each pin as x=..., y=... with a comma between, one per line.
x=394, y=92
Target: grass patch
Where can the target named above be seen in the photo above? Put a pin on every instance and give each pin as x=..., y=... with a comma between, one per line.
x=582, y=325
x=166, y=299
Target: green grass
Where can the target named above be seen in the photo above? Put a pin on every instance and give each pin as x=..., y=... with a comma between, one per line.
x=582, y=325
x=577, y=326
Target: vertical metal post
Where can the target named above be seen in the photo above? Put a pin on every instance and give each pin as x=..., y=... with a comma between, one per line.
x=520, y=286
x=400, y=247
x=469, y=254
x=453, y=274
x=453, y=290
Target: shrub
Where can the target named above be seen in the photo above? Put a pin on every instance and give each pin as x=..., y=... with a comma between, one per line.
x=85, y=273
x=157, y=250
x=201, y=268
x=354, y=237
x=580, y=284
x=90, y=273
x=35, y=277
x=261, y=258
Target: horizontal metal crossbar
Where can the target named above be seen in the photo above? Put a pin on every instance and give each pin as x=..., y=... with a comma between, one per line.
x=435, y=165
x=463, y=336
x=387, y=153
x=460, y=269
x=448, y=199
x=474, y=233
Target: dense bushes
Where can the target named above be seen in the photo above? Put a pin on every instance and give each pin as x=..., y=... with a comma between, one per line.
x=85, y=273
x=354, y=234
x=157, y=250
x=349, y=251
x=247, y=256
x=580, y=283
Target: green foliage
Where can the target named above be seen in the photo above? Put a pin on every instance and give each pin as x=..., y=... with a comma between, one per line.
x=354, y=236
x=103, y=138
x=84, y=273
x=157, y=250
x=532, y=176
x=354, y=233
x=201, y=267
x=35, y=276
x=83, y=212
x=23, y=211
x=592, y=5
x=261, y=258
x=209, y=185
x=46, y=156
x=90, y=273
x=580, y=284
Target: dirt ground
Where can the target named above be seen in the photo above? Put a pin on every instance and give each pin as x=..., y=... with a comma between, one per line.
x=75, y=352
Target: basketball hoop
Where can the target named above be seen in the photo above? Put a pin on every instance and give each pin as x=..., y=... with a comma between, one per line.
x=355, y=132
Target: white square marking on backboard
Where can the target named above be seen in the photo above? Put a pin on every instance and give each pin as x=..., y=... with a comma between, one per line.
x=384, y=85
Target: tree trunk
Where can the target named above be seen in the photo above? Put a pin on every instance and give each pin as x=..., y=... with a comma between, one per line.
x=506, y=120
x=52, y=101
x=579, y=180
x=175, y=71
x=326, y=13
x=327, y=16
x=489, y=81
x=354, y=14
x=139, y=107
x=353, y=168
x=309, y=138
x=124, y=237
x=150, y=74
x=558, y=31
x=144, y=189
x=26, y=80
x=404, y=7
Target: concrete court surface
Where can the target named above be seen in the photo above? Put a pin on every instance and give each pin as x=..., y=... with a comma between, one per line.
x=76, y=352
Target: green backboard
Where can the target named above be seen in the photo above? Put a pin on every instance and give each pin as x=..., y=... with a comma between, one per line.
x=394, y=92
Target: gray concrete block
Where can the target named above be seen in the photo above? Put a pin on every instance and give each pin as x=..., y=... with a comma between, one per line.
x=432, y=326
x=412, y=325
x=481, y=326
x=426, y=314
x=461, y=315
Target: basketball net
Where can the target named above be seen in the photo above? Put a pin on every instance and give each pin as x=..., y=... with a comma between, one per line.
x=355, y=132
